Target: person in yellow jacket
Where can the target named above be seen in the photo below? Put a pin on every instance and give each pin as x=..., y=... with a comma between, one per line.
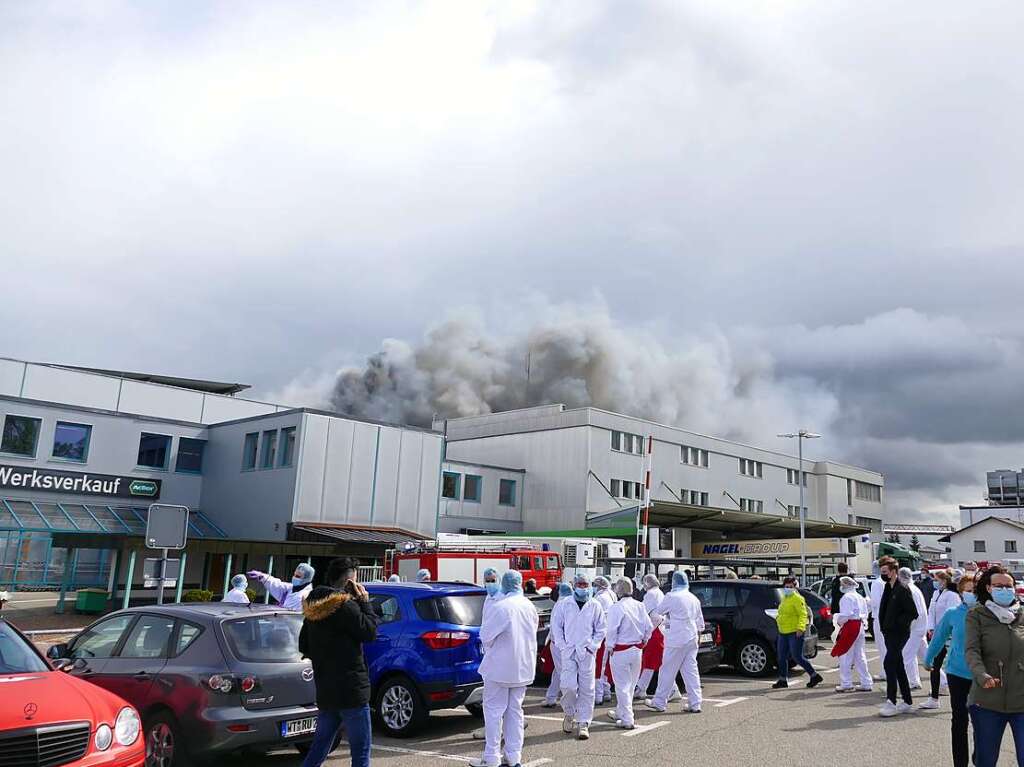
x=792, y=621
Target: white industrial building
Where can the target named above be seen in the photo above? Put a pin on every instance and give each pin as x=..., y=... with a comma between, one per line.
x=992, y=539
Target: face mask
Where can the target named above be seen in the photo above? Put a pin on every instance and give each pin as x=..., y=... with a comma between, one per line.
x=492, y=588
x=970, y=599
x=787, y=591
x=582, y=594
x=1004, y=595
x=298, y=581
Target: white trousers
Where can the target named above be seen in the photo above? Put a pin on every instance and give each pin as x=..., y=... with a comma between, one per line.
x=678, y=659
x=578, y=684
x=503, y=713
x=880, y=646
x=625, y=672
x=643, y=682
x=855, y=658
x=556, y=676
x=915, y=648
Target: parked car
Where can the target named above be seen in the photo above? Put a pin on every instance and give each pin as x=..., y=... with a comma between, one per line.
x=427, y=652
x=744, y=611
x=48, y=717
x=208, y=679
x=821, y=609
x=824, y=589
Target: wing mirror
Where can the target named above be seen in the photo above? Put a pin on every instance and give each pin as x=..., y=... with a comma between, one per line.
x=61, y=664
x=57, y=652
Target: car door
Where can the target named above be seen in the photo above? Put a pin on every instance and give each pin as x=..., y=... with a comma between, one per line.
x=718, y=603
x=92, y=649
x=140, y=659
x=380, y=652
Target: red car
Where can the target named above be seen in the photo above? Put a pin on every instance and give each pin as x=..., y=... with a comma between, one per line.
x=48, y=717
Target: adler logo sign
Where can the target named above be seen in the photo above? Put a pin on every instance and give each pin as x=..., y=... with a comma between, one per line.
x=77, y=483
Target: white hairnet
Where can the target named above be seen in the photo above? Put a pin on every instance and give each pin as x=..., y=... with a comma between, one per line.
x=306, y=572
x=394, y=578
x=239, y=582
x=511, y=581
x=564, y=590
x=600, y=583
x=490, y=572
x=423, y=575
x=905, y=574
x=846, y=582
x=581, y=579
x=651, y=581
x=680, y=580
x=623, y=588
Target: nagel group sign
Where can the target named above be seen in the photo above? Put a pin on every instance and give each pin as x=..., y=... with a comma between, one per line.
x=77, y=483
x=781, y=547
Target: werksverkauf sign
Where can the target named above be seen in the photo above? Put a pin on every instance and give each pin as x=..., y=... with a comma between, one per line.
x=77, y=483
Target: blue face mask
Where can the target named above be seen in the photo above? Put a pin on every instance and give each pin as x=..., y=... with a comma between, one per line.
x=298, y=581
x=582, y=594
x=1004, y=595
x=969, y=599
x=787, y=591
x=492, y=588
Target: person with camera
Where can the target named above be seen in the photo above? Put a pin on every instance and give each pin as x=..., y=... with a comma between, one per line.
x=338, y=619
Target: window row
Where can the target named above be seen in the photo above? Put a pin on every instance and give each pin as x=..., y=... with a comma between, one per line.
x=693, y=456
x=454, y=488
x=752, y=505
x=694, y=497
x=623, y=488
x=269, y=449
x=1009, y=547
x=624, y=442
x=869, y=492
x=749, y=468
x=794, y=510
x=793, y=477
x=71, y=442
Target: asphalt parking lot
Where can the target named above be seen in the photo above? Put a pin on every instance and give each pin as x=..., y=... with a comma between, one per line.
x=743, y=724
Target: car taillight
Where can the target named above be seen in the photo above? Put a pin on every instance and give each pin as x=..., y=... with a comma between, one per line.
x=226, y=683
x=825, y=612
x=248, y=684
x=718, y=634
x=445, y=640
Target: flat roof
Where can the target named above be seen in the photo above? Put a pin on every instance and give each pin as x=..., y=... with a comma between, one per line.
x=195, y=384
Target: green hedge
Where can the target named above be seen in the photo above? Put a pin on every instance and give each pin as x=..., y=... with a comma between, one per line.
x=197, y=595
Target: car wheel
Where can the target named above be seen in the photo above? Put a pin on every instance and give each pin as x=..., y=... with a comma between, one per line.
x=476, y=709
x=753, y=658
x=400, y=708
x=164, y=747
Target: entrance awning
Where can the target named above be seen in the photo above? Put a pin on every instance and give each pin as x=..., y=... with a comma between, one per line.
x=738, y=524
x=351, y=535
x=23, y=515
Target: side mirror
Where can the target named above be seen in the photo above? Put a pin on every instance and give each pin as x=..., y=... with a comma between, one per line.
x=57, y=651
x=62, y=664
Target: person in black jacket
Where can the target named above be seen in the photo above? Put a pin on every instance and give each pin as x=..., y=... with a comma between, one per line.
x=837, y=594
x=896, y=612
x=338, y=619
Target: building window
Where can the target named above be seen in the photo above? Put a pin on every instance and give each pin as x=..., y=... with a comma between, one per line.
x=666, y=539
x=616, y=440
x=616, y=488
x=190, y=455
x=623, y=488
x=794, y=510
x=849, y=492
x=507, y=492
x=287, y=446
x=21, y=435
x=749, y=468
x=269, y=449
x=252, y=442
x=154, y=450
x=1010, y=547
x=693, y=456
x=979, y=547
x=869, y=492
x=450, y=485
x=752, y=505
x=625, y=442
x=793, y=477
x=71, y=441
x=474, y=483
x=694, y=497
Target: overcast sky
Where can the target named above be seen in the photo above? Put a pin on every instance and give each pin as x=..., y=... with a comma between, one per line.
x=809, y=211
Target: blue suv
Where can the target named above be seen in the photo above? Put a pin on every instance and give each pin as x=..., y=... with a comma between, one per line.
x=427, y=652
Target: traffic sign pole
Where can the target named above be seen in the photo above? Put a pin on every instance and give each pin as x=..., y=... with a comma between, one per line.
x=163, y=579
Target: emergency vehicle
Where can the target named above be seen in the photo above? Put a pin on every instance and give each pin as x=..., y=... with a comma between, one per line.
x=466, y=560
x=580, y=556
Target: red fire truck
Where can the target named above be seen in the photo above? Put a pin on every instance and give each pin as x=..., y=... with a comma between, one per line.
x=466, y=561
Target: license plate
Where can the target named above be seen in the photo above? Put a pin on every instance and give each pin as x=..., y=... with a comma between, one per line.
x=298, y=727
x=707, y=639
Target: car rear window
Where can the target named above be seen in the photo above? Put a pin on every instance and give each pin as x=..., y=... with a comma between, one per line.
x=461, y=610
x=265, y=638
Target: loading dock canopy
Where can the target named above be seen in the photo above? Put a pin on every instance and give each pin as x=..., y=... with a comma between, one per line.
x=739, y=524
x=351, y=535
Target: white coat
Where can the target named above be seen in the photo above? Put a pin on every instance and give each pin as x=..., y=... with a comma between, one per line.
x=606, y=599
x=877, y=589
x=852, y=607
x=652, y=599
x=628, y=623
x=683, y=616
x=490, y=601
x=236, y=596
x=578, y=630
x=288, y=598
x=509, y=637
x=920, y=624
x=942, y=601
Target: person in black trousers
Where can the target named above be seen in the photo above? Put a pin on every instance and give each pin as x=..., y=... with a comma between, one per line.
x=896, y=613
x=837, y=594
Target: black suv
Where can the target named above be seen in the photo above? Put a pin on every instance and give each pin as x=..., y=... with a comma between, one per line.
x=745, y=611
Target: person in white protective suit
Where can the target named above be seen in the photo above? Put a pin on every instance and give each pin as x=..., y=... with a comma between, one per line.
x=289, y=595
x=877, y=589
x=494, y=595
x=393, y=578
x=237, y=594
x=916, y=647
x=684, y=622
x=564, y=597
x=629, y=628
x=579, y=629
x=509, y=638
x=853, y=607
x=605, y=597
x=654, y=651
x=423, y=576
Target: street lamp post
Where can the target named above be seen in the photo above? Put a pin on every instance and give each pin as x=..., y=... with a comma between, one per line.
x=800, y=436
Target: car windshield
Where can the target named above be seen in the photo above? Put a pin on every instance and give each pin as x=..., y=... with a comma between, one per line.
x=265, y=638
x=16, y=657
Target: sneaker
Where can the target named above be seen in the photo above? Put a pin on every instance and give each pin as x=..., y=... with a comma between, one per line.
x=929, y=704
x=815, y=680
x=652, y=707
x=688, y=710
x=781, y=684
x=480, y=763
x=584, y=733
x=840, y=688
x=866, y=688
x=567, y=724
x=613, y=716
x=623, y=726
x=549, y=704
x=903, y=708
x=888, y=709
